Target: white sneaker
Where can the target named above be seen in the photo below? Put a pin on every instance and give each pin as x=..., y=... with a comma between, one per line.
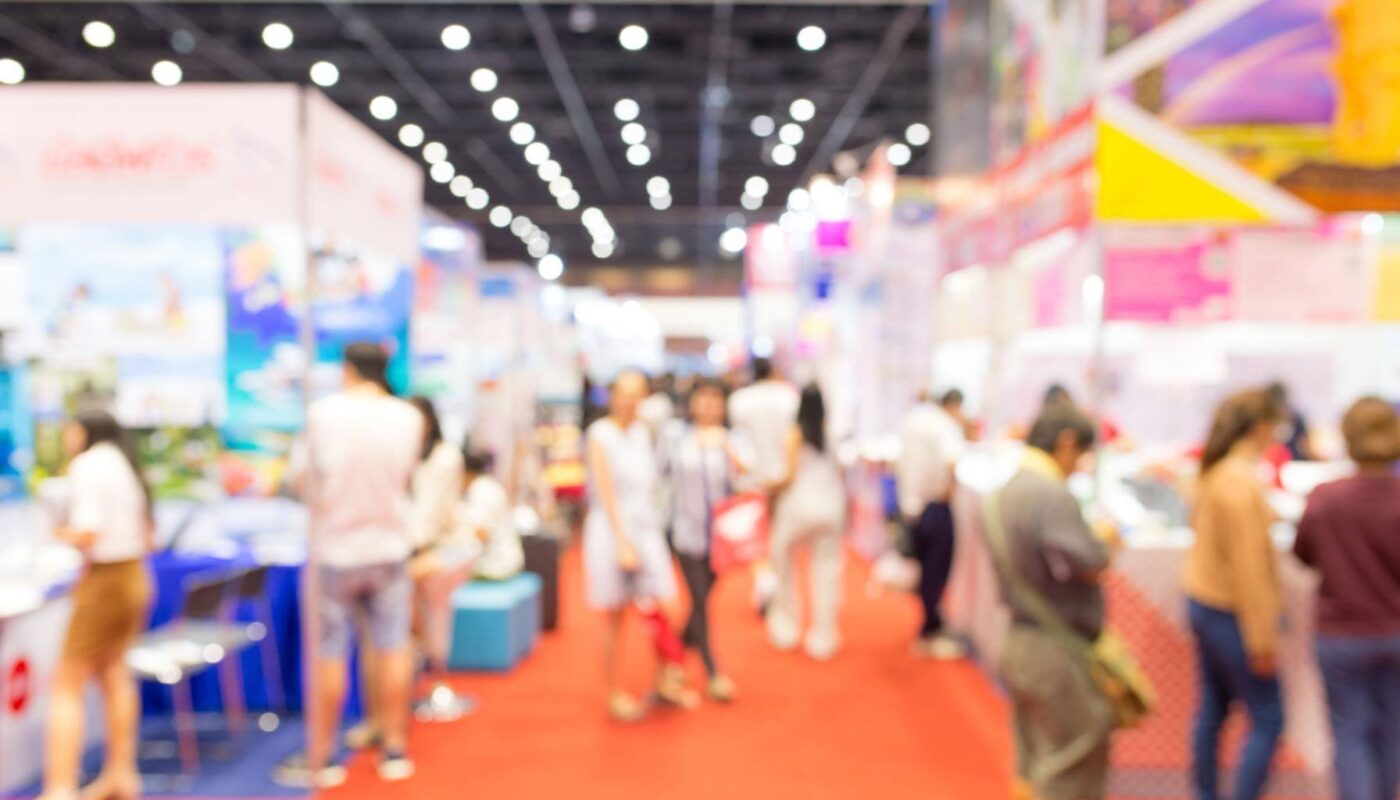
x=783, y=634
x=823, y=647
x=394, y=767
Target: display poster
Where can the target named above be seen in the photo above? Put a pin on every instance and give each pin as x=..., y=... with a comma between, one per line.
x=359, y=298
x=1387, y=295
x=1165, y=275
x=59, y=390
x=1303, y=93
x=1300, y=275
x=16, y=431
x=1044, y=59
x=442, y=302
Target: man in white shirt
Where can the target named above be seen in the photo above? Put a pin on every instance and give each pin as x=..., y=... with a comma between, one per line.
x=361, y=447
x=931, y=444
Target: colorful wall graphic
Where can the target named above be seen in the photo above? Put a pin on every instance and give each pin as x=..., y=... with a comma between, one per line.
x=16, y=431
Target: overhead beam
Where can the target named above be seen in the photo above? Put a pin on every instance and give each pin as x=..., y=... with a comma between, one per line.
x=45, y=49
x=870, y=79
x=564, y=83
x=713, y=103
x=227, y=57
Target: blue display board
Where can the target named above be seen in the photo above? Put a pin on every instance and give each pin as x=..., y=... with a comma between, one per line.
x=16, y=431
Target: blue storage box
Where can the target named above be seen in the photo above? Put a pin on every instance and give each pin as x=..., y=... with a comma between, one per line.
x=494, y=623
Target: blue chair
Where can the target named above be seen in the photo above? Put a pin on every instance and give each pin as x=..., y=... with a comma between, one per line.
x=495, y=624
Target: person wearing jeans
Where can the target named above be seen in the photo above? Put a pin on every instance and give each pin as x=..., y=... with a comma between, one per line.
x=1350, y=534
x=1235, y=602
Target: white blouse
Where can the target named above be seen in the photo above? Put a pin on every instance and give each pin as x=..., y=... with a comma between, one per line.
x=437, y=486
x=107, y=500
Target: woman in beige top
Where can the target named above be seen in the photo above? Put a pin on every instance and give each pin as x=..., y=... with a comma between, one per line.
x=1231, y=583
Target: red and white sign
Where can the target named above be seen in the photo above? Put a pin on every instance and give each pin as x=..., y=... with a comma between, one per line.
x=132, y=153
x=19, y=687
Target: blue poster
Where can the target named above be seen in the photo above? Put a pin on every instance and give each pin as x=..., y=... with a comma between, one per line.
x=359, y=299
x=16, y=432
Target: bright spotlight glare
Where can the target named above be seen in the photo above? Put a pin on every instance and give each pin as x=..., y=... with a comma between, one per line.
x=917, y=134
x=638, y=155
x=499, y=216
x=790, y=133
x=751, y=203
x=12, y=72
x=626, y=109
x=522, y=133
x=442, y=172
x=165, y=73
x=657, y=186
x=784, y=155
x=799, y=199
x=661, y=202
x=551, y=267
x=460, y=185
x=277, y=36
x=324, y=73
x=733, y=240
x=505, y=109
x=802, y=109
x=899, y=154
x=99, y=34
x=811, y=38
x=762, y=126
x=634, y=133
x=550, y=171
x=756, y=186
x=433, y=152
x=456, y=37
x=410, y=135
x=570, y=201
x=633, y=37
x=383, y=108
x=478, y=199
x=484, y=79
x=536, y=153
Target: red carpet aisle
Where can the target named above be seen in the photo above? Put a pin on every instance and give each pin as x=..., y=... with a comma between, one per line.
x=871, y=722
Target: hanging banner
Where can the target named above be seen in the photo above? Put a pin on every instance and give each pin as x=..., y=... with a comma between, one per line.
x=1166, y=275
x=1301, y=275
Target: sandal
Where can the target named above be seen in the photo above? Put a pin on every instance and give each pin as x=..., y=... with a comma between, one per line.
x=622, y=708
x=721, y=689
x=672, y=690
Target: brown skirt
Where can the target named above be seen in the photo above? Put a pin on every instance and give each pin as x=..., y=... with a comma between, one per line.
x=110, y=604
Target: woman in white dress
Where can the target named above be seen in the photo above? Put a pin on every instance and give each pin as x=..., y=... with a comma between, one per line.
x=626, y=561
x=810, y=512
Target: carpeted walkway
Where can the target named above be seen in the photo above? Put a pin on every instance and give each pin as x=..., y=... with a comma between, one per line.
x=871, y=723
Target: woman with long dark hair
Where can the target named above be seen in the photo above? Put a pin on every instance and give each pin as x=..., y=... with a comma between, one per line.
x=1235, y=601
x=110, y=522
x=810, y=512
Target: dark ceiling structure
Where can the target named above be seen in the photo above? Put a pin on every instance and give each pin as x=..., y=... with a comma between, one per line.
x=717, y=90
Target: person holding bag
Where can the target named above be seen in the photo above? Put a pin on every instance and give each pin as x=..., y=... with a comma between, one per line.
x=1235, y=599
x=1051, y=566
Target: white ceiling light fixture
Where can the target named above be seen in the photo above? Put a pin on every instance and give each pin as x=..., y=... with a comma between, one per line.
x=634, y=133
x=638, y=155
x=537, y=248
x=784, y=154
x=433, y=152
x=602, y=250
x=811, y=38
x=661, y=202
x=478, y=198
x=626, y=109
x=899, y=154
x=522, y=133
x=12, y=72
x=733, y=240
x=484, y=79
x=570, y=201
x=763, y=126
x=278, y=36
x=551, y=267
x=99, y=34
x=593, y=217
x=410, y=135
x=917, y=134
x=536, y=153
x=505, y=109
x=657, y=186
x=756, y=186
x=791, y=133
x=383, y=108
x=522, y=226
x=325, y=74
x=460, y=185
x=550, y=171
x=499, y=216
x=751, y=203
x=442, y=172
x=633, y=37
x=456, y=37
x=799, y=199
x=802, y=109
x=561, y=185
x=165, y=73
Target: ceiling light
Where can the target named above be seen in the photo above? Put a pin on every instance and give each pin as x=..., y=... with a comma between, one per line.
x=550, y=171
x=657, y=186
x=670, y=248
x=536, y=235
x=456, y=37
x=634, y=133
x=505, y=109
x=484, y=79
x=602, y=250
x=99, y=34
x=592, y=216
x=784, y=155
x=166, y=73
x=799, y=199
x=12, y=72
x=633, y=37
x=383, y=107
x=324, y=73
x=460, y=185
x=626, y=109
x=551, y=267
x=756, y=186
x=638, y=155
x=277, y=36
x=522, y=133
x=499, y=216
x=410, y=135
x=570, y=201
x=917, y=134
x=733, y=240
x=802, y=109
x=661, y=202
x=433, y=152
x=762, y=126
x=442, y=172
x=561, y=185
x=790, y=133
x=605, y=235
x=536, y=153
x=750, y=202
x=899, y=154
x=521, y=226
x=811, y=38
x=478, y=198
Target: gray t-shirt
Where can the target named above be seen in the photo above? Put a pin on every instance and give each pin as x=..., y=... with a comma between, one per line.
x=1050, y=545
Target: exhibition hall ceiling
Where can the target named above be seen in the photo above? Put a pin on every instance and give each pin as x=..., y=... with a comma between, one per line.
x=673, y=121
